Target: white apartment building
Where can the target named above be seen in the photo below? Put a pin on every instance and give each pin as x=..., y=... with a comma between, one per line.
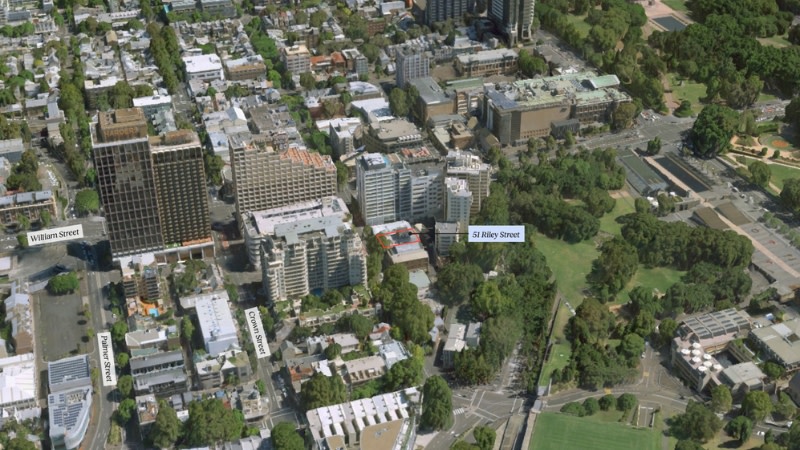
x=389, y=189
x=296, y=59
x=478, y=175
x=457, y=200
x=303, y=250
x=204, y=67
x=216, y=323
x=375, y=182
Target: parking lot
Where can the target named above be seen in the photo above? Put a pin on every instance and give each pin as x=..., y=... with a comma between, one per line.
x=61, y=323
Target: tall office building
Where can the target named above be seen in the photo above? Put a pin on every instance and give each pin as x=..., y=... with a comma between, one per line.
x=513, y=18
x=308, y=247
x=411, y=64
x=264, y=178
x=390, y=188
x=153, y=190
x=477, y=174
x=126, y=182
x=181, y=189
x=441, y=10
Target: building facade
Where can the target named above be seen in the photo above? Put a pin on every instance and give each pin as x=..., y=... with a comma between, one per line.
x=513, y=18
x=441, y=10
x=411, y=63
x=296, y=59
x=477, y=174
x=487, y=63
x=126, y=182
x=303, y=251
x=458, y=200
x=265, y=179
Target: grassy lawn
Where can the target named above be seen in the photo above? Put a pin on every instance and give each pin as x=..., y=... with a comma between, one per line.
x=781, y=173
x=775, y=41
x=624, y=206
x=559, y=358
x=580, y=23
x=660, y=278
x=677, y=5
x=763, y=97
x=559, y=431
x=684, y=89
x=570, y=264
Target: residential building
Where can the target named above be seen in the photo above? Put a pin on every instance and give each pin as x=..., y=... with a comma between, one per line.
x=215, y=371
x=12, y=149
x=364, y=370
x=253, y=407
x=154, y=104
x=70, y=401
x=385, y=421
x=446, y=235
x=296, y=59
x=411, y=63
x=513, y=18
x=152, y=190
x=155, y=338
x=180, y=181
x=204, y=67
x=221, y=8
x=19, y=313
x=309, y=247
x=442, y=10
x=780, y=343
x=404, y=245
x=478, y=175
x=528, y=108
x=19, y=378
x=455, y=343
x=457, y=200
x=246, y=68
x=355, y=61
x=30, y=205
x=147, y=411
x=392, y=353
x=392, y=187
x=487, y=63
x=216, y=325
x=265, y=179
x=341, y=137
x=162, y=374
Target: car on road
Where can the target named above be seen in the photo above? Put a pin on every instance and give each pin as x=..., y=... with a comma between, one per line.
x=643, y=355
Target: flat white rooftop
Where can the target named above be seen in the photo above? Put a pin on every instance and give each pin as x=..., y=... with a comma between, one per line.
x=202, y=63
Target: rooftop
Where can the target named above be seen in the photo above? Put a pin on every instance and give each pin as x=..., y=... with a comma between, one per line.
x=429, y=90
x=215, y=319
x=487, y=56
x=309, y=159
x=714, y=324
x=396, y=129
x=782, y=339
x=296, y=50
x=746, y=373
x=157, y=359
x=552, y=91
x=202, y=63
x=326, y=214
x=68, y=372
x=18, y=379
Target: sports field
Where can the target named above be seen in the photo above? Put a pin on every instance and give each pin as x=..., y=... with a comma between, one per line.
x=554, y=431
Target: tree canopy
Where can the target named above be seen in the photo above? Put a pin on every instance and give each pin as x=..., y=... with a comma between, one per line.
x=211, y=423
x=713, y=130
x=63, y=283
x=698, y=423
x=437, y=404
x=285, y=437
x=87, y=201
x=321, y=390
x=167, y=428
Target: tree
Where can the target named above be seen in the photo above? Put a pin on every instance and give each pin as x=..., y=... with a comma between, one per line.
x=631, y=346
x=118, y=331
x=626, y=402
x=591, y=406
x=697, y=423
x=45, y=218
x=211, y=423
x=790, y=194
x=456, y=281
x=332, y=351
x=63, y=284
x=331, y=107
x=437, y=404
x=721, y=399
x=756, y=405
x=21, y=443
x=484, y=437
x=213, y=165
x=607, y=401
x=623, y=116
x=773, y=370
x=308, y=81
x=22, y=240
x=285, y=437
x=187, y=328
x=573, y=409
x=654, y=146
x=684, y=110
x=398, y=102
x=613, y=269
x=404, y=374
x=122, y=359
x=688, y=445
x=463, y=445
x=712, y=131
x=666, y=330
x=487, y=300
x=125, y=411
x=167, y=428
x=740, y=428
x=125, y=386
x=87, y=201
x=321, y=390
x=760, y=173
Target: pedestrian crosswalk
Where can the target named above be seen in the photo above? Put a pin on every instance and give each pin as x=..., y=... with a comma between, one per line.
x=459, y=411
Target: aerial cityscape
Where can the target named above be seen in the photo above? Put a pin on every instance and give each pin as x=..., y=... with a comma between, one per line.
x=400, y=225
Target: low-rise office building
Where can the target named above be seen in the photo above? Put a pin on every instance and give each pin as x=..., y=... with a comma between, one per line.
x=780, y=343
x=388, y=136
x=404, y=245
x=247, y=68
x=216, y=324
x=487, y=63
x=204, y=67
x=70, y=401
